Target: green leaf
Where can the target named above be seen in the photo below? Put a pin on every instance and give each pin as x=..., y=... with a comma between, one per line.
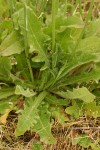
x=63, y=23
x=12, y=44
x=90, y=44
x=22, y=66
x=25, y=92
x=43, y=126
x=75, y=111
x=6, y=92
x=92, y=109
x=65, y=40
x=29, y=115
x=5, y=68
x=74, y=63
x=3, y=8
x=82, y=94
x=82, y=140
x=79, y=93
x=93, y=29
x=95, y=146
x=36, y=38
x=7, y=103
x=83, y=77
x=6, y=26
x=37, y=146
x=56, y=101
x=59, y=114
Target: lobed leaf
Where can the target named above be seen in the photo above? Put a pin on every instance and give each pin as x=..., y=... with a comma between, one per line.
x=35, y=37
x=43, y=126
x=25, y=92
x=82, y=94
x=92, y=109
x=29, y=115
x=75, y=110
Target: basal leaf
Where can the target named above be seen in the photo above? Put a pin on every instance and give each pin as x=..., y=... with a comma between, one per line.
x=82, y=140
x=43, y=126
x=65, y=40
x=83, y=77
x=79, y=93
x=62, y=23
x=75, y=111
x=59, y=114
x=56, y=101
x=35, y=36
x=93, y=29
x=22, y=66
x=95, y=145
x=6, y=92
x=29, y=115
x=37, y=146
x=6, y=26
x=7, y=103
x=89, y=44
x=82, y=94
x=25, y=92
x=3, y=8
x=5, y=68
x=12, y=44
x=75, y=62
x=92, y=109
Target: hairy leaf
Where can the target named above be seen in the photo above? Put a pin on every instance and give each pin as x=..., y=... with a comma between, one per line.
x=43, y=126
x=75, y=111
x=76, y=62
x=79, y=93
x=82, y=140
x=5, y=68
x=93, y=29
x=7, y=103
x=22, y=66
x=92, y=109
x=29, y=115
x=3, y=8
x=90, y=44
x=25, y=92
x=36, y=38
x=12, y=44
x=83, y=77
x=6, y=92
x=82, y=94
x=37, y=146
x=56, y=101
x=59, y=114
